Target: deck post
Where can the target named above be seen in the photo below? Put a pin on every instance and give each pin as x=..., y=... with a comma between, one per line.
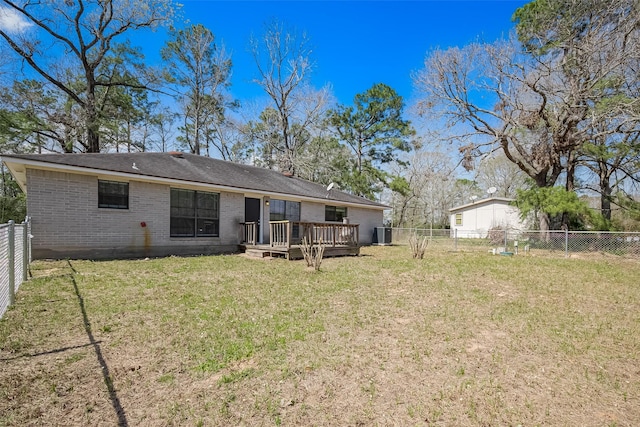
x=270, y=234
x=255, y=233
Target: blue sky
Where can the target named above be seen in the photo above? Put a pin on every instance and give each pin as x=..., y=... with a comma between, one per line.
x=355, y=43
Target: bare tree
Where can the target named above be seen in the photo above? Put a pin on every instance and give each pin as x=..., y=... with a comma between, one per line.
x=497, y=171
x=228, y=138
x=430, y=195
x=283, y=59
x=164, y=129
x=455, y=82
x=84, y=33
x=454, y=85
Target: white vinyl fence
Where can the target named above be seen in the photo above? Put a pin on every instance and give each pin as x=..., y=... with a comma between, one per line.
x=15, y=256
x=563, y=242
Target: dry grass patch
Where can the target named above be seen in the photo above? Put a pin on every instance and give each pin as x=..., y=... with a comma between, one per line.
x=381, y=339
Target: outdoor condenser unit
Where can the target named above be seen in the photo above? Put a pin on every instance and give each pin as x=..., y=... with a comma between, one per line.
x=382, y=236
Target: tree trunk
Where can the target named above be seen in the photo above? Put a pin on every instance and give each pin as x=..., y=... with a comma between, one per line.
x=544, y=226
x=571, y=172
x=403, y=212
x=196, y=131
x=91, y=120
x=93, y=137
x=605, y=193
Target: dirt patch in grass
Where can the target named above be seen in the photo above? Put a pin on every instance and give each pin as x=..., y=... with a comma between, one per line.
x=382, y=339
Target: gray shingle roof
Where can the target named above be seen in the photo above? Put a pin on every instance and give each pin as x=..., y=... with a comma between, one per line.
x=197, y=169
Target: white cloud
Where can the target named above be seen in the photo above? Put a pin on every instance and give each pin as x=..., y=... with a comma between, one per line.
x=12, y=22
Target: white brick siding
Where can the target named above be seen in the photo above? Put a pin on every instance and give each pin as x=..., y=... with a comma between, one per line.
x=312, y=212
x=68, y=223
x=368, y=220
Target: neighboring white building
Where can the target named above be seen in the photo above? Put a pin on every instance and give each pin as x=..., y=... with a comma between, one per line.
x=474, y=220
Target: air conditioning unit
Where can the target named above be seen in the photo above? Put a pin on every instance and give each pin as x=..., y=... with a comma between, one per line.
x=382, y=236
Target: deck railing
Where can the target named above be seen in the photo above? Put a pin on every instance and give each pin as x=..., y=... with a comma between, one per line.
x=250, y=233
x=280, y=234
x=330, y=234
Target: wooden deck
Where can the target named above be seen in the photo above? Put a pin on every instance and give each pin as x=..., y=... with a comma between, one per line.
x=294, y=252
x=285, y=238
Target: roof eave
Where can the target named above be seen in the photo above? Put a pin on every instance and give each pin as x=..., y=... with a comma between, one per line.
x=20, y=176
x=481, y=203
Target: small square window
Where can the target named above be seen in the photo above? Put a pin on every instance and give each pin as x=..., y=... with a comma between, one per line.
x=458, y=219
x=113, y=194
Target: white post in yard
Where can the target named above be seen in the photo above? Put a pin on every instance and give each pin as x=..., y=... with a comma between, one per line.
x=25, y=249
x=455, y=240
x=11, y=263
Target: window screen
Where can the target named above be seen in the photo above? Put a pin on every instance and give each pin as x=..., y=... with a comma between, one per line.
x=194, y=213
x=113, y=194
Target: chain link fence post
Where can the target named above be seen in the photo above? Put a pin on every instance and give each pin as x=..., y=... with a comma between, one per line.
x=566, y=243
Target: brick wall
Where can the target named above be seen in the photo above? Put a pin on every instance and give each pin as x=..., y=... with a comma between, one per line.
x=312, y=212
x=68, y=223
x=368, y=220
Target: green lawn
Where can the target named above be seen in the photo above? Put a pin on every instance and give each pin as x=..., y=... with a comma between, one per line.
x=381, y=339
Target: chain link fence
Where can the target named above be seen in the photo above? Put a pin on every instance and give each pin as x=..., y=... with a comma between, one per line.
x=510, y=242
x=15, y=256
x=439, y=239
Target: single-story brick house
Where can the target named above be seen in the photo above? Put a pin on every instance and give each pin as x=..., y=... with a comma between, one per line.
x=117, y=205
x=474, y=220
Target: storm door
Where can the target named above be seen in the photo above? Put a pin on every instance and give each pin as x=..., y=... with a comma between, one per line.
x=252, y=213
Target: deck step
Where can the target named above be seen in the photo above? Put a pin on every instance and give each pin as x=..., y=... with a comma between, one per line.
x=257, y=253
